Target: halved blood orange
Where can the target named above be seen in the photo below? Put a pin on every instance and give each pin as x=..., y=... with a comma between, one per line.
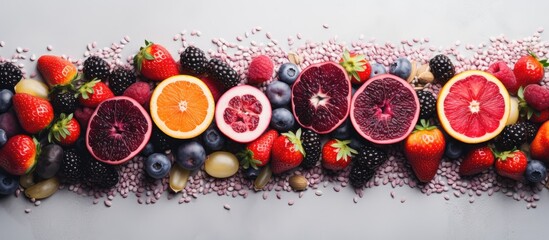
x=473, y=106
x=182, y=106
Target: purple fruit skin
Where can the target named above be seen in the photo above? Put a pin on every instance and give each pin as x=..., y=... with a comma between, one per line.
x=10, y=124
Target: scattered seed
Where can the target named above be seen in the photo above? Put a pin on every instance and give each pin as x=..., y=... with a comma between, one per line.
x=402, y=200
x=28, y=210
x=355, y=199
x=2, y=44
x=108, y=203
x=291, y=202
x=227, y=207
x=49, y=47
x=325, y=26
x=318, y=193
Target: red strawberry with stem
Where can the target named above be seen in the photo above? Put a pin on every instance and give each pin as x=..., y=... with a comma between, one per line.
x=258, y=152
x=154, y=62
x=18, y=155
x=476, y=161
x=65, y=131
x=424, y=149
x=357, y=67
x=93, y=93
x=287, y=152
x=56, y=70
x=337, y=154
x=511, y=164
x=34, y=113
x=529, y=69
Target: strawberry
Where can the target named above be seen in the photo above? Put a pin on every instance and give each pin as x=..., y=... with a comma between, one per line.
x=260, y=70
x=537, y=97
x=336, y=154
x=56, y=70
x=539, y=148
x=540, y=117
x=424, y=149
x=511, y=164
x=258, y=152
x=34, y=113
x=93, y=93
x=287, y=152
x=18, y=155
x=476, y=161
x=529, y=70
x=155, y=62
x=357, y=67
x=65, y=131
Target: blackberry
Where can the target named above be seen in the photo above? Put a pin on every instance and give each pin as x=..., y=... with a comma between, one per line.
x=96, y=67
x=427, y=104
x=100, y=174
x=223, y=73
x=442, y=68
x=71, y=166
x=531, y=131
x=194, y=60
x=311, y=144
x=120, y=79
x=511, y=137
x=161, y=141
x=9, y=76
x=63, y=101
x=365, y=165
x=359, y=175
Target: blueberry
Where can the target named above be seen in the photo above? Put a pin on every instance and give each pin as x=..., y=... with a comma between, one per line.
x=191, y=155
x=3, y=137
x=402, y=68
x=377, y=69
x=157, y=165
x=213, y=140
x=49, y=161
x=535, y=171
x=288, y=73
x=454, y=148
x=251, y=173
x=279, y=93
x=5, y=100
x=8, y=183
x=343, y=131
x=282, y=119
x=147, y=150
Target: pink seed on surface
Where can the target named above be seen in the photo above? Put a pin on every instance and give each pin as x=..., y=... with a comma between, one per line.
x=28, y=210
x=108, y=203
x=291, y=202
x=49, y=47
x=227, y=207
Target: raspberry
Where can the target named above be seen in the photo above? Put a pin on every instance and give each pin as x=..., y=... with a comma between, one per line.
x=537, y=97
x=140, y=92
x=501, y=71
x=260, y=70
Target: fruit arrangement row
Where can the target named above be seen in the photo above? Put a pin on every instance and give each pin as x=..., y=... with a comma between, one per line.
x=199, y=113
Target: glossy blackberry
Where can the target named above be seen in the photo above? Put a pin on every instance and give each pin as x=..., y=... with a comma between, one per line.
x=71, y=170
x=427, y=104
x=531, y=131
x=360, y=175
x=96, y=67
x=310, y=141
x=194, y=60
x=63, y=101
x=222, y=72
x=511, y=137
x=9, y=76
x=365, y=164
x=442, y=68
x=120, y=79
x=100, y=174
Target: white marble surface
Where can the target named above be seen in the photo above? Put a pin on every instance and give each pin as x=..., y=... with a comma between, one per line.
x=69, y=25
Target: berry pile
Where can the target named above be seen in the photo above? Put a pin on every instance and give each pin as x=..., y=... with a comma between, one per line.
x=260, y=138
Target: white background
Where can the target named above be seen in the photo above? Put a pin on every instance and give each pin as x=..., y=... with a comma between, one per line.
x=69, y=25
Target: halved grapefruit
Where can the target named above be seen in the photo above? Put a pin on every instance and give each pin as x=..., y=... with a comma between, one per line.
x=473, y=106
x=182, y=106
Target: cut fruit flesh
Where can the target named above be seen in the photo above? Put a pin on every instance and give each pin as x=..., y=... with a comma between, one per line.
x=182, y=106
x=473, y=106
x=321, y=97
x=118, y=130
x=385, y=109
x=243, y=113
